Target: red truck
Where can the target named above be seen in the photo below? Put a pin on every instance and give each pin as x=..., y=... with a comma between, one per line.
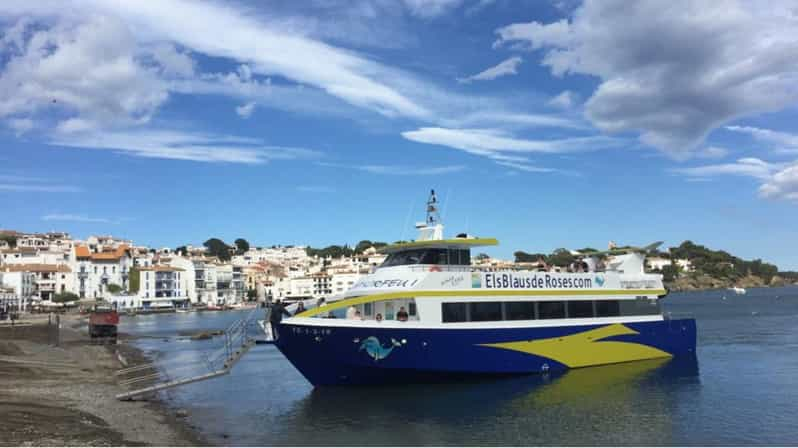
x=102, y=325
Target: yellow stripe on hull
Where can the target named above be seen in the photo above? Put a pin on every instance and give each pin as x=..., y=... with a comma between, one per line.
x=480, y=293
x=586, y=348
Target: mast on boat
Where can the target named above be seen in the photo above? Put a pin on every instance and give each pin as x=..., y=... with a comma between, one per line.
x=432, y=228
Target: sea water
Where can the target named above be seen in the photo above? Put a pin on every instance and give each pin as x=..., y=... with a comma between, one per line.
x=741, y=389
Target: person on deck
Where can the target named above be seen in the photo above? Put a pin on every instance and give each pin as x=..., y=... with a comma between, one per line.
x=276, y=316
x=299, y=308
x=402, y=315
x=350, y=312
x=379, y=317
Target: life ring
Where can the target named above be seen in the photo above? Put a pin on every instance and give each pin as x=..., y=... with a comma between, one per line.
x=435, y=268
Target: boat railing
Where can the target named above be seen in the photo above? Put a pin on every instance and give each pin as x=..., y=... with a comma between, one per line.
x=457, y=268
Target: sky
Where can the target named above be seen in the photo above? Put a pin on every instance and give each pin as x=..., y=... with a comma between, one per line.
x=544, y=124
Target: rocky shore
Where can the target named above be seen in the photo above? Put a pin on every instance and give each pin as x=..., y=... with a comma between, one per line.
x=699, y=282
x=65, y=395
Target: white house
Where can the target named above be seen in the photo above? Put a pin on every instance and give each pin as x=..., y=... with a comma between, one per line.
x=162, y=287
x=342, y=281
x=94, y=271
x=19, y=285
x=48, y=279
x=657, y=263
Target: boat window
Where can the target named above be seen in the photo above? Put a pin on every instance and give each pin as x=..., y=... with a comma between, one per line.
x=368, y=309
x=529, y=310
x=454, y=312
x=389, y=311
x=429, y=256
x=551, y=310
x=640, y=307
x=520, y=310
x=411, y=308
x=485, y=311
x=580, y=308
x=607, y=308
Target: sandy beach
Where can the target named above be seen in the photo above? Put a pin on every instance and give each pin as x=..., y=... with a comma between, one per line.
x=65, y=395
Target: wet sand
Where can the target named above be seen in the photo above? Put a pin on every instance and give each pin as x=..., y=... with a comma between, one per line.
x=66, y=395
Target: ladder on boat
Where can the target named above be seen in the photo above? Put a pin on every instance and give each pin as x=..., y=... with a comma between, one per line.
x=236, y=344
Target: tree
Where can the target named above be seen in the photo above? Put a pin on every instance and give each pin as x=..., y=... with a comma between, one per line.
x=482, y=256
x=181, y=250
x=670, y=272
x=113, y=288
x=242, y=246
x=333, y=251
x=215, y=247
x=560, y=257
x=365, y=244
x=8, y=238
x=65, y=297
x=523, y=257
x=134, y=280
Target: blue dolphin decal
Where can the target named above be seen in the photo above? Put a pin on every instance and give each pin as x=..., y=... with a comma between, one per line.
x=374, y=349
x=599, y=280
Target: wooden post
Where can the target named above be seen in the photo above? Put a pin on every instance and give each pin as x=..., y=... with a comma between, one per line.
x=57, y=330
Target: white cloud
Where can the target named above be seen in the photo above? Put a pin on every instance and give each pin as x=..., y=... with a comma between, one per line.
x=749, y=167
x=490, y=141
x=430, y=8
x=712, y=152
x=87, y=71
x=20, y=125
x=782, y=185
x=400, y=170
x=672, y=73
x=519, y=120
x=565, y=100
x=75, y=218
x=83, y=61
x=22, y=183
x=507, y=67
x=779, y=180
x=245, y=110
x=526, y=167
x=505, y=149
x=267, y=48
x=180, y=145
x=783, y=142
x=173, y=63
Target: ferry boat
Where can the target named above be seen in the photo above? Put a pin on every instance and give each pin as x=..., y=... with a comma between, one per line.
x=426, y=314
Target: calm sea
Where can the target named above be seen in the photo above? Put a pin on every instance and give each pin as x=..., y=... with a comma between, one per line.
x=741, y=390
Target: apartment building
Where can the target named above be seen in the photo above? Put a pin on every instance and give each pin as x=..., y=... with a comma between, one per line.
x=162, y=287
x=96, y=270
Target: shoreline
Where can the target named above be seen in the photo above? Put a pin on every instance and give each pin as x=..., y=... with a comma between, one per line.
x=672, y=289
x=66, y=395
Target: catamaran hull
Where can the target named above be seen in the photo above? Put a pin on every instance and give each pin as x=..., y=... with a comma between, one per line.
x=332, y=355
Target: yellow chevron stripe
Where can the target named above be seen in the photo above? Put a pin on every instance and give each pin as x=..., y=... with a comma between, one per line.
x=586, y=348
x=479, y=293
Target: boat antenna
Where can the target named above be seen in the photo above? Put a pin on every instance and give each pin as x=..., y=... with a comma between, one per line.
x=407, y=217
x=446, y=203
x=433, y=216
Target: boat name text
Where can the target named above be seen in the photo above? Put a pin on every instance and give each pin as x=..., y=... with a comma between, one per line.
x=535, y=281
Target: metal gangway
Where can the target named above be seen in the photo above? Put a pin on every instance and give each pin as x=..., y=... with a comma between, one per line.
x=149, y=379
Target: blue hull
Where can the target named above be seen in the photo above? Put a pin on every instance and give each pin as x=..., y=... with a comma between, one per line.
x=353, y=356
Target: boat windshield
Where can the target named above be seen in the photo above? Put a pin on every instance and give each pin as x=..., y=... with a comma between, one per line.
x=429, y=256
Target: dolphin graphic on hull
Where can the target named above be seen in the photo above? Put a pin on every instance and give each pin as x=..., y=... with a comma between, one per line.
x=374, y=348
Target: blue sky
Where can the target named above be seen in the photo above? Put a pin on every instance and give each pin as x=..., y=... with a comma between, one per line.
x=545, y=124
